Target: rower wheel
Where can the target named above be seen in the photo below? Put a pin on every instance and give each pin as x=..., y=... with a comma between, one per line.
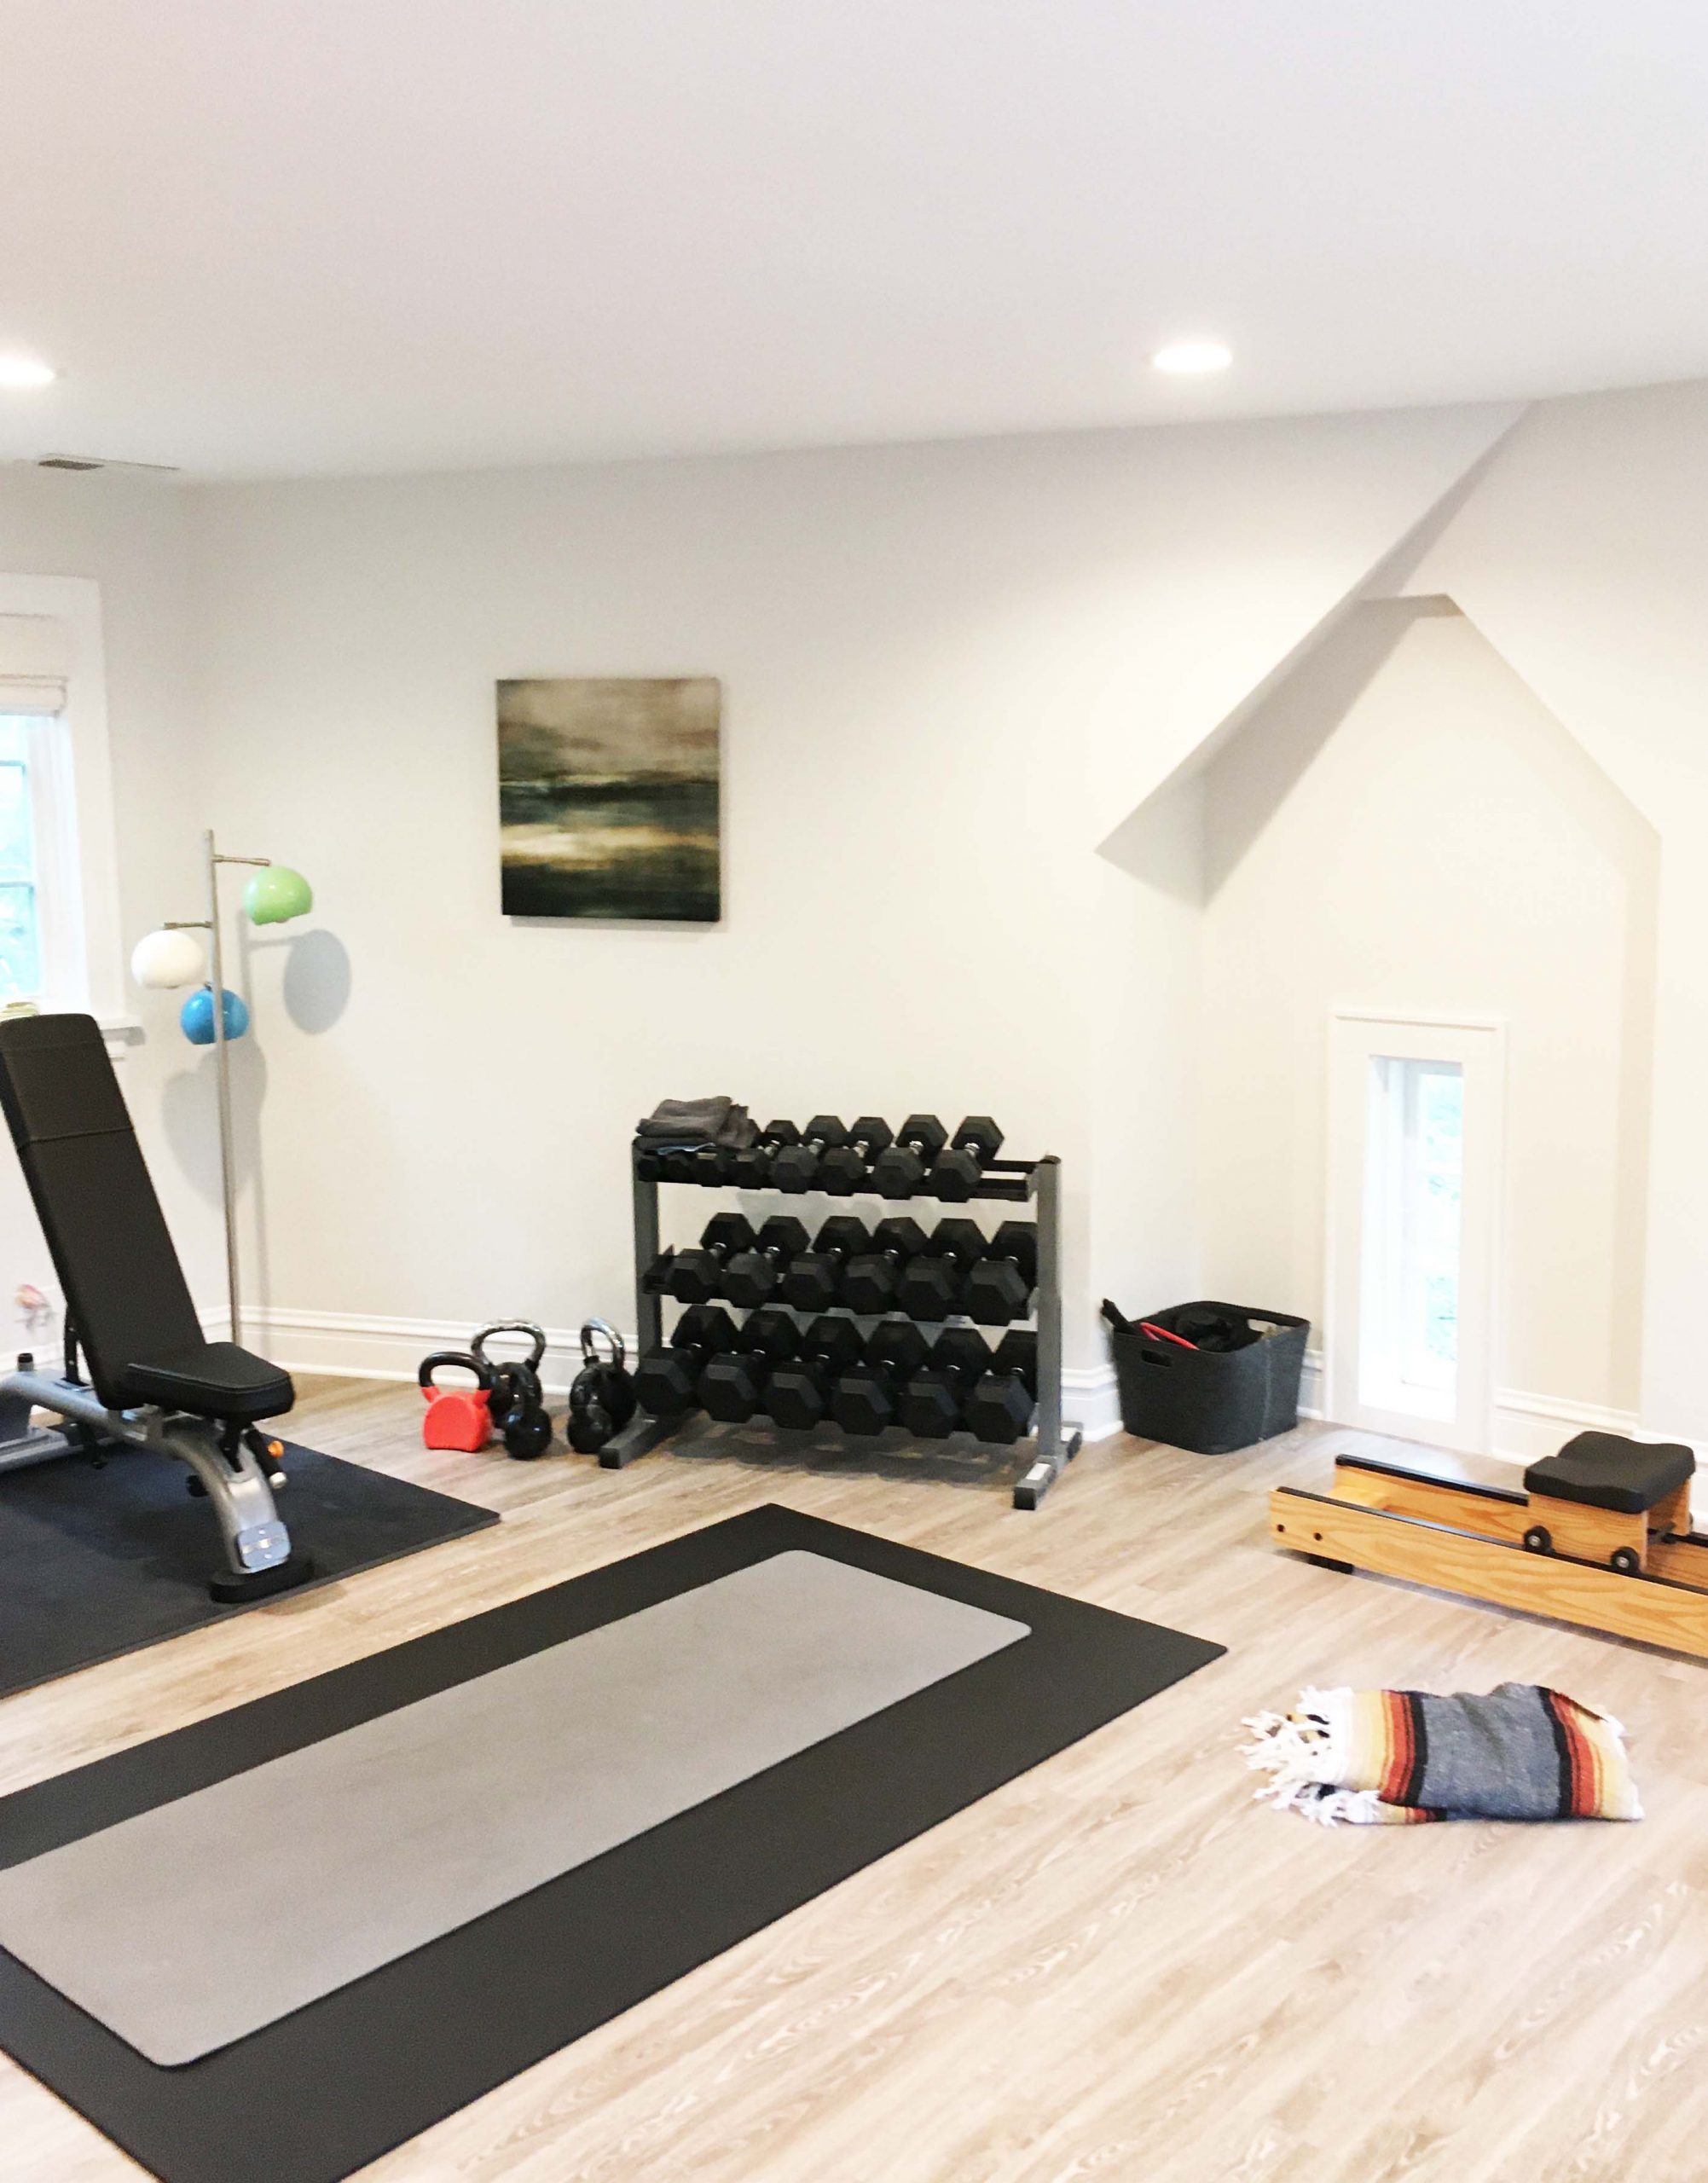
x=1539, y=1539
x=1626, y=1560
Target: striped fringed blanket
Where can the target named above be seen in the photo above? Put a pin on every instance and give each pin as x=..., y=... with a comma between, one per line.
x=1397, y=1757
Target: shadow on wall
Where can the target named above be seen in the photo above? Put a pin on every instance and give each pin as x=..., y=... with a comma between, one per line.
x=317, y=985
x=1296, y=724
x=1164, y=842
x=318, y=979
x=189, y=1108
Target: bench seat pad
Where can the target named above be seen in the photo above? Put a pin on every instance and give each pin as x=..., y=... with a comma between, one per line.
x=218, y=1380
x=1604, y=1470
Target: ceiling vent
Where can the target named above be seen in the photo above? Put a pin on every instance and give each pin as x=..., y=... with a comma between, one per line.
x=105, y=462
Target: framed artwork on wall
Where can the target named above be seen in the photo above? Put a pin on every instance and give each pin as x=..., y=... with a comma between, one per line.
x=609, y=796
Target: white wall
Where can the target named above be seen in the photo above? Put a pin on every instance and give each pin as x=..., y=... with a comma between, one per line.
x=942, y=666
x=952, y=673
x=1583, y=556
x=1406, y=826
x=1146, y=1056
x=130, y=537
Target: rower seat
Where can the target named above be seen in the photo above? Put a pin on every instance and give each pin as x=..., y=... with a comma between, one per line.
x=1605, y=1470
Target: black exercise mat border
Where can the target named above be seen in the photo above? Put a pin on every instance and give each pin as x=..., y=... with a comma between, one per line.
x=327, y=2090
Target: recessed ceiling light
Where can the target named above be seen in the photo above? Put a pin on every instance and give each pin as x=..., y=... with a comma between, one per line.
x=1194, y=356
x=21, y=374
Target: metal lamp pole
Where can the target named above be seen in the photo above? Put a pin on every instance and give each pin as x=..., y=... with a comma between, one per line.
x=227, y=1181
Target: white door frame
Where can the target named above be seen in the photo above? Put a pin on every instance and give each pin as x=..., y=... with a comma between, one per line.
x=1478, y=1044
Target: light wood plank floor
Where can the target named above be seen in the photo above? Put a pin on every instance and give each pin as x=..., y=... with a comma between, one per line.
x=1117, y=1966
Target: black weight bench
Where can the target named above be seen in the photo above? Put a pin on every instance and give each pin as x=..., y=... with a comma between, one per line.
x=154, y=1378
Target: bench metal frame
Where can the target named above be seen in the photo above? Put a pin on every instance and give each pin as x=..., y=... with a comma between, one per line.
x=256, y=1544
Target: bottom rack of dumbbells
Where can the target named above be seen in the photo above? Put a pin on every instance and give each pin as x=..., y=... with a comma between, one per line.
x=795, y=1372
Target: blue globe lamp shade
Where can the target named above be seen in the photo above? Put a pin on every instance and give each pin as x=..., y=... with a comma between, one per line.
x=195, y=1017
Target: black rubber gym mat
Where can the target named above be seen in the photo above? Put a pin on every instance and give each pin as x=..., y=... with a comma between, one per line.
x=319, y=2093
x=95, y=1561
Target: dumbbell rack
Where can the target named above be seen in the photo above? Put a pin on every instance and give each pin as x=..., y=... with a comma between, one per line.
x=1039, y=1181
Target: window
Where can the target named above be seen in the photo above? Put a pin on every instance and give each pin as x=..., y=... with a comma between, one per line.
x=60, y=942
x=1414, y=1182
x=1413, y=1173
x=20, y=942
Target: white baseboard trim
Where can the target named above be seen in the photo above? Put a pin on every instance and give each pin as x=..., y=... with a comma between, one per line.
x=1090, y=1400
x=357, y=1346
x=1311, y=1386
x=1524, y=1427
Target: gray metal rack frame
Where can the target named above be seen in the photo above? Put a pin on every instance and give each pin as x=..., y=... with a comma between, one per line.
x=1054, y=1443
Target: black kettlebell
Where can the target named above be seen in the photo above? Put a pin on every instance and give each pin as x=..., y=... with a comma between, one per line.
x=519, y=1405
x=602, y=1396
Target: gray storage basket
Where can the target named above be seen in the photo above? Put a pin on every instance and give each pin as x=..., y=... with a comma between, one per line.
x=1210, y=1401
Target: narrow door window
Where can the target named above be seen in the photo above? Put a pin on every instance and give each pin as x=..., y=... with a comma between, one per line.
x=1414, y=1185
x=1413, y=1177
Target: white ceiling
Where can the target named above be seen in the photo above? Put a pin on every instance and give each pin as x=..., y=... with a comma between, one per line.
x=267, y=236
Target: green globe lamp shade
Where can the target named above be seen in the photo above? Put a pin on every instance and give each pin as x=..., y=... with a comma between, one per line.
x=276, y=893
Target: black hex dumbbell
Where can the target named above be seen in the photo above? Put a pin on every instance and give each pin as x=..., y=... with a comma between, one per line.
x=710, y=1165
x=863, y=1398
x=957, y=1173
x=655, y=1162
x=1000, y=1407
x=900, y=1170
x=843, y=1169
x=666, y=1377
x=812, y=1282
x=656, y=1280
x=1000, y=1287
x=695, y=1276
x=931, y=1404
x=796, y=1168
x=752, y=1275
x=869, y=1280
x=798, y=1392
x=749, y=1168
x=731, y=1386
x=930, y=1285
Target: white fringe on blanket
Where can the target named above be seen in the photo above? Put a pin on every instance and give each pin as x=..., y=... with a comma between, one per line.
x=1307, y=1751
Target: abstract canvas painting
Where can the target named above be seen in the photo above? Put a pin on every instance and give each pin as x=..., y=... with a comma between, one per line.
x=608, y=791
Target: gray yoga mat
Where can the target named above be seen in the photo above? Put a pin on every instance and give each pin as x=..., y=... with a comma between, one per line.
x=201, y=1921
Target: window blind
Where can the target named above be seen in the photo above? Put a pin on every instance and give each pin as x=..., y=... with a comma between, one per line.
x=35, y=664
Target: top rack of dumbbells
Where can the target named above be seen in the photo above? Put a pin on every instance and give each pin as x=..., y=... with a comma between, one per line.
x=802, y=1331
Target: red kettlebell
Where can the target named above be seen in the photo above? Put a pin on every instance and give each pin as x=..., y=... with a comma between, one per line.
x=457, y=1417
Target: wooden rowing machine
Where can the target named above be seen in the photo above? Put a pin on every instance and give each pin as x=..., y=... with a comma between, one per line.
x=1600, y=1535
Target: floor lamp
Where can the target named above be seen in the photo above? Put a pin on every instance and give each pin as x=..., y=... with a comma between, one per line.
x=170, y=957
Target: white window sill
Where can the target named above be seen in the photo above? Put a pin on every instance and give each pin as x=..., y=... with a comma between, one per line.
x=119, y=1030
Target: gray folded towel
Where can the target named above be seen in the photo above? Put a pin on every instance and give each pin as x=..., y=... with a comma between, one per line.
x=698, y=1121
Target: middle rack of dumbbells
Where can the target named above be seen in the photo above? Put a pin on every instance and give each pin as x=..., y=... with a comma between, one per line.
x=863, y=1318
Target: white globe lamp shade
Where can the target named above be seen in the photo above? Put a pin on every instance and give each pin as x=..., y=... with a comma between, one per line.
x=165, y=959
